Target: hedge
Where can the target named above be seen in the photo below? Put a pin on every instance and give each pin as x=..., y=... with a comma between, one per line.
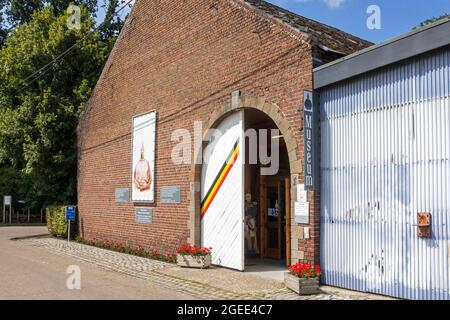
x=56, y=221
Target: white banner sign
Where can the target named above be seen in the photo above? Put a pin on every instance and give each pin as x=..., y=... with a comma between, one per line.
x=143, y=170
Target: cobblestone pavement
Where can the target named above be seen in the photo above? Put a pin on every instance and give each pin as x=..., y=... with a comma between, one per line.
x=150, y=270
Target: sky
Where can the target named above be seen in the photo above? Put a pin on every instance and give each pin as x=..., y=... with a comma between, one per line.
x=397, y=16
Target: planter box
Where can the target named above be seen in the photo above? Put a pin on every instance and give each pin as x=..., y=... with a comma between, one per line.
x=200, y=262
x=301, y=286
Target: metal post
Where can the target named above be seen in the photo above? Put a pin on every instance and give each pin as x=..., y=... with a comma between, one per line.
x=4, y=213
x=28, y=215
x=42, y=209
x=10, y=214
x=68, y=232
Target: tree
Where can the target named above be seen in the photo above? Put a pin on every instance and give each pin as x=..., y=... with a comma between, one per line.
x=3, y=29
x=39, y=110
x=16, y=12
x=432, y=20
x=20, y=11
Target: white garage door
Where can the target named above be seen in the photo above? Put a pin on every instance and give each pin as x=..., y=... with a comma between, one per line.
x=385, y=159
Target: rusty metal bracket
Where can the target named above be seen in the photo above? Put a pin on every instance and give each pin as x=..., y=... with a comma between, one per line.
x=423, y=225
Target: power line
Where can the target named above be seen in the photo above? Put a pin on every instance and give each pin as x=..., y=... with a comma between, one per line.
x=42, y=71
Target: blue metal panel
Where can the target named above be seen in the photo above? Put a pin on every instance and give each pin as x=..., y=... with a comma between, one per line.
x=385, y=156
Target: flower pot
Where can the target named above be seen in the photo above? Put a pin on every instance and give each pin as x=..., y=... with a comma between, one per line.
x=302, y=286
x=200, y=262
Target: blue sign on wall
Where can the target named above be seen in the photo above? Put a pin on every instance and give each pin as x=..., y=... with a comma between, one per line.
x=70, y=213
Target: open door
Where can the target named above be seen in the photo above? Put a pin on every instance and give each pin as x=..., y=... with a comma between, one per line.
x=275, y=217
x=222, y=192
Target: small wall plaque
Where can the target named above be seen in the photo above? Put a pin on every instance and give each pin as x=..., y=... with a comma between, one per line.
x=301, y=212
x=144, y=215
x=122, y=195
x=302, y=194
x=170, y=194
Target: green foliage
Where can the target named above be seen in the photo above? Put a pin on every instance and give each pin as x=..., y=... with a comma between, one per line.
x=39, y=110
x=432, y=20
x=56, y=221
x=9, y=178
x=21, y=11
x=13, y=182
x=38, y=118
x=16, y=12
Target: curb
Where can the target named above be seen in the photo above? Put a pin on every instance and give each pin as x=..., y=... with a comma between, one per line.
x=37, y=236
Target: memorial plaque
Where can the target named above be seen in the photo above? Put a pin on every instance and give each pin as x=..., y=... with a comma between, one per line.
x=144, y=215
x=170, y=194
x=122, y=195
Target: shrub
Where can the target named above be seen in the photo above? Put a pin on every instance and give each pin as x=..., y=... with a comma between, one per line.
x=56, y=221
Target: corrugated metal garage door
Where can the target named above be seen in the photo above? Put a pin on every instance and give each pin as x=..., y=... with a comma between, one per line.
x=385, y=157
x=222, y=191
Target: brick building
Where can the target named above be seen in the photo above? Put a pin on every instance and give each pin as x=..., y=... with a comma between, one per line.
x=205, y=61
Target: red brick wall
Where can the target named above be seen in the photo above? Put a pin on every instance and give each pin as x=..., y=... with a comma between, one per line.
x=184, y=59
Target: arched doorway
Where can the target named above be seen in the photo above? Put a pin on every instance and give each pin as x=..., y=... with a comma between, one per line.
x=268, y=193
x=267, y=184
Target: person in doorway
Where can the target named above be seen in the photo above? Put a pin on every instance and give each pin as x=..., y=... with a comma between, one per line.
x=251, y=213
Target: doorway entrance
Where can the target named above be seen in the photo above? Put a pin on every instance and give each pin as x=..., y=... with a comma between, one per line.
x=245, y=199
x=270, y=194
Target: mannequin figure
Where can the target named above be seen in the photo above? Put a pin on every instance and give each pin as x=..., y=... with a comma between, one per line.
x=251, y=213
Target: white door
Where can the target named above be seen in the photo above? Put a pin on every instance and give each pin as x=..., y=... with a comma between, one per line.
x=222, y=191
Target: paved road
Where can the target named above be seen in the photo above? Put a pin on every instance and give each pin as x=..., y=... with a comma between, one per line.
x=35, y=273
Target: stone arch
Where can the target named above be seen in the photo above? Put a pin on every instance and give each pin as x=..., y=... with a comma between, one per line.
x=273, y=111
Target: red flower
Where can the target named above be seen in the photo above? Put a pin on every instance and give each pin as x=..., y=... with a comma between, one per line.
x=305, y=270
x=193, y=250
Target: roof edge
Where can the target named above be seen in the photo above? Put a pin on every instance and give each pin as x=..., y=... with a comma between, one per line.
x=399, y=48
x=288, y=19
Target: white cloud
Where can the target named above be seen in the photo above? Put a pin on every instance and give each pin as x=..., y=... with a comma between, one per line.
x=334, y=3
x=330, y=3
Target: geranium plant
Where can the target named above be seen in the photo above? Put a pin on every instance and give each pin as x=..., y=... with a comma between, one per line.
x=150, y=253
x=194, y=250
x=305, y=271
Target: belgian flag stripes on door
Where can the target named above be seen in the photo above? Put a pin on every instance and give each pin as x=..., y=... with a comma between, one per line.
x=222, y=193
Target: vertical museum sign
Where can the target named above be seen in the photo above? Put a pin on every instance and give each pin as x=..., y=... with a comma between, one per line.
x=143, y=168
x=311, y=140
